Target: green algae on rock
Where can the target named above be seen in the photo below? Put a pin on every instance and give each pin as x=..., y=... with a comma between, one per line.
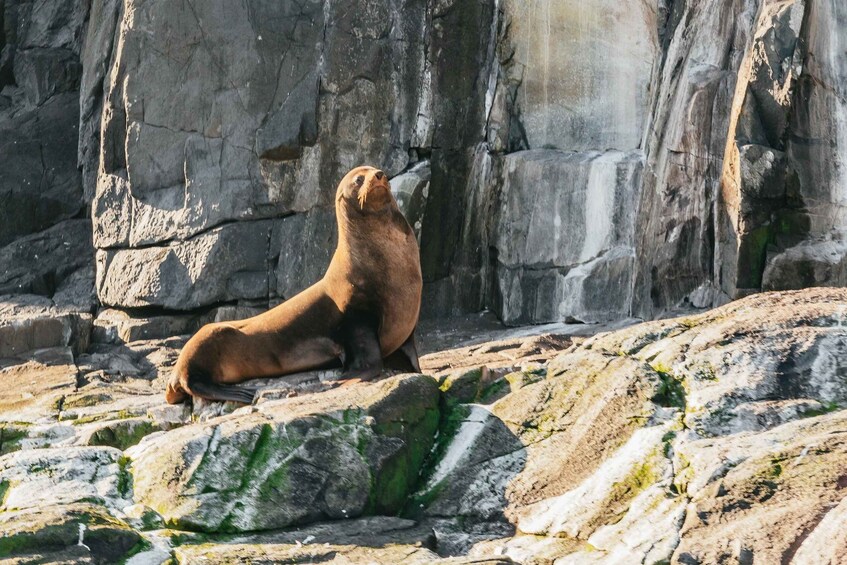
x=338, y=454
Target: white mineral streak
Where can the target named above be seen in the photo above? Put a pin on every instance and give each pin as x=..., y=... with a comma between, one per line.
x=599, y=204
x=568, y=513
x=461, y=444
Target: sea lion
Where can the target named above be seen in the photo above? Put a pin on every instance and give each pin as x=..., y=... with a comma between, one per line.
x=364, y=310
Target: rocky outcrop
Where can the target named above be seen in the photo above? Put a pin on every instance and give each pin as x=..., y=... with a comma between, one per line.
x=712, y=437
x=336, y=455
x=699, y=439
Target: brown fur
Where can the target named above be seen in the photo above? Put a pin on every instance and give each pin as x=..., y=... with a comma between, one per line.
x=375, y=274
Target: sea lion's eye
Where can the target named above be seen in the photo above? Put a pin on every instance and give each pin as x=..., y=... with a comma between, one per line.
x=359, y=180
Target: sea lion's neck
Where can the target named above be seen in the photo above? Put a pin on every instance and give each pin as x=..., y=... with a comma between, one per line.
x=354, y=227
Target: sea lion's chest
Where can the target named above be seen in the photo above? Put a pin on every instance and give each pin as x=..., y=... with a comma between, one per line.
x=386, y=280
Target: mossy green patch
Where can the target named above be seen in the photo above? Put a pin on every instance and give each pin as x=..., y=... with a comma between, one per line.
x=124, y=476
x=141, y=546
x=109, y=539
x=670, y=391
x=752, y=253
x=80, y=420
x=402, y=473
x=452, y=415
x=463, y=387
x=494, y=391
x=86, y=400
x=123, y=434
x=623, y=492
x=825, y=408
x=10, y=438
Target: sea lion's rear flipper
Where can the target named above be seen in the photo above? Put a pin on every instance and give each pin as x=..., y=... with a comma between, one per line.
x=215, y=391
x=405, y=358
x=362, y=355
x=198, y=383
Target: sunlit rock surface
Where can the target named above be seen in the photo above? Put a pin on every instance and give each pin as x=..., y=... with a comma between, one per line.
x=710, y=437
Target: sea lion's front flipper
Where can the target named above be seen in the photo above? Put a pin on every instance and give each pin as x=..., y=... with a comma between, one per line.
x=405, y=358
x=362, y=356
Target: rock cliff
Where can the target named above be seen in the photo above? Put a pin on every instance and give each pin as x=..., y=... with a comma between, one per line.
x=558, y=160
x=169, y=163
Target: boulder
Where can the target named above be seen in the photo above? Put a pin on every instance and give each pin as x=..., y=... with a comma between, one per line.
x=177, y=276
x=339, y=454
x=75, y=533
x=40, y=478
x=821, y=263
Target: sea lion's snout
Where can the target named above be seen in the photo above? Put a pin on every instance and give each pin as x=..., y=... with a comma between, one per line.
x=376, y=192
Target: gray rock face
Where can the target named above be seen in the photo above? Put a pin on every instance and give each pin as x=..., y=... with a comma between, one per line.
x=55, y=263
x=816, y=152
x=571, y=94
x=39, y=113
x=179, y=275
x=565, y=227
x=28, y=323
x=237, y=137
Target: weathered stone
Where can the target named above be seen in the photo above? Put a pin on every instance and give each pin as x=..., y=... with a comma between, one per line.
x=43, y=263
x=502, y=355
x=120, y=433
x=672, y=440
x=79, y=532
x=781, y=485
x=97, y=55
x=755, y=173
x=237, y=137
x=28, y=323
x=39, y=78
x=571, y=94
x=39, y=182
x=35, y=384
x=565, y=235
x=815, y=151
x=685, y=145
x=178, y=276
x=338, y=454
x=411, y=190
x=41, y=478
x=807, y=264
x=305, y=243
x=119, y=326
x=378, y=539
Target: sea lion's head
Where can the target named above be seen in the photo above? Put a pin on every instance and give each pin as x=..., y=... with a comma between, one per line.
x=365, y=190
